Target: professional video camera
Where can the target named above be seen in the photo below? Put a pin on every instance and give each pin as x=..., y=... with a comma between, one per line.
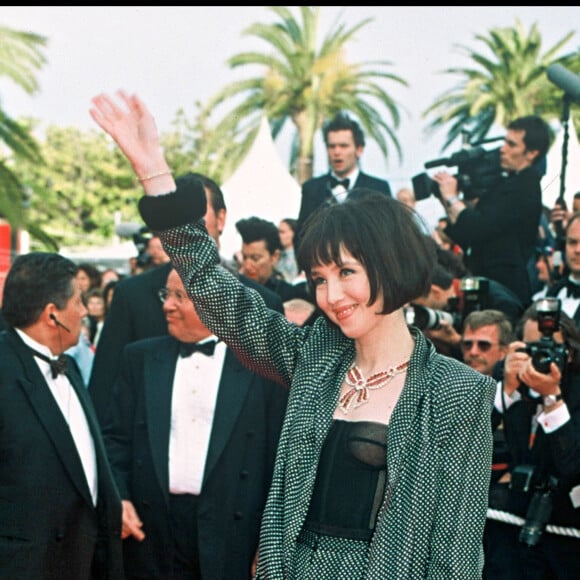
x=478, y=171
x=547, y=350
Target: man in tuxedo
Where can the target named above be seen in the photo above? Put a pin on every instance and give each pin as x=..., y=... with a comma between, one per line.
x=136, y=312
x=192, y=438
x=60, y=511
x=499, y=231
x=345, y=143
x=568, y=288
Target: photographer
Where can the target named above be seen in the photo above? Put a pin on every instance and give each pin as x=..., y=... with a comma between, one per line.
x=498, y=232
x=533, y=525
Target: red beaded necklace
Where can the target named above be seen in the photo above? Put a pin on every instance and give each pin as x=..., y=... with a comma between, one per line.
x=358, y=394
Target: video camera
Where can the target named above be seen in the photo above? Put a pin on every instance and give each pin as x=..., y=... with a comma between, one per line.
x=475, y=296
x=547, y=350
x=478, y=171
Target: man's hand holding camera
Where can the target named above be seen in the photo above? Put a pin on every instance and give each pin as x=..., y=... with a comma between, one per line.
x=519, y=369
x=449, y=192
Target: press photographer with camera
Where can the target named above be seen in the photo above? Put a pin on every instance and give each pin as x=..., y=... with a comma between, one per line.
x=533, y=525
x=498, y=230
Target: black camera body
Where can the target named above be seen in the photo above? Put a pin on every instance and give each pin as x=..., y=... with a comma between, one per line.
x=140, y=239
x=478, y=171
x=546, y=350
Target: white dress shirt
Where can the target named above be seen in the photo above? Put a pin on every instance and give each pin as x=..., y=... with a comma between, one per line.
x=195, y=388
x=72, y=411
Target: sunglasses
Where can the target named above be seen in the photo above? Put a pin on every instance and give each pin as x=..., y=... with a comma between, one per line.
x=482, y=345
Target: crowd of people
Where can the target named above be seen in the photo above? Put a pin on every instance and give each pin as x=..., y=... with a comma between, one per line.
x=352, y=395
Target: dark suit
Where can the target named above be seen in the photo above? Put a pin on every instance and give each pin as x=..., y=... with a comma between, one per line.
x=49, y=527
x=136, y=312
x=316, y=192
x=498, y=234
x=246, y=426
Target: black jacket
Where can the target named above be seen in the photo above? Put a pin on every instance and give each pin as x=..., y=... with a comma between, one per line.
x=246, y=427
x=499, y=233
x=316, y=192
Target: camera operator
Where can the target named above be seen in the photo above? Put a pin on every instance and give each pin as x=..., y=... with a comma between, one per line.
x=498, y=232
x=533, y=525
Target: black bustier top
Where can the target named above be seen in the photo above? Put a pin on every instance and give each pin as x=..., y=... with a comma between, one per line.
x=350, y=482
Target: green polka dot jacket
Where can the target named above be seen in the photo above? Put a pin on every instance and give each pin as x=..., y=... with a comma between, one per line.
x=431, y=521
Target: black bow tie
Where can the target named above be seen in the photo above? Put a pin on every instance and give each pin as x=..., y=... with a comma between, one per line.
x=572, y=289
x=188, y=348
x=57, y=365
x=334, y=182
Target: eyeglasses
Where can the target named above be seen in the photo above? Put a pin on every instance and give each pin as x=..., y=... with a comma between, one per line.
x=482, y=345
x=165, y=293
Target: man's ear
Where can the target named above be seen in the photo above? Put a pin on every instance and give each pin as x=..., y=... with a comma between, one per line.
x=532, y=154
x=221, y=220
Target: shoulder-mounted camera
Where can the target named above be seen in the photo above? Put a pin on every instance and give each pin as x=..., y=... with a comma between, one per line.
x=478, y=171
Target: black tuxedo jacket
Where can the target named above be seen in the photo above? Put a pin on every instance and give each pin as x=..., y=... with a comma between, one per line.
x=49, y=527
x=136, y=312
x=553, y=292
x=246, y=426
x=317, y=192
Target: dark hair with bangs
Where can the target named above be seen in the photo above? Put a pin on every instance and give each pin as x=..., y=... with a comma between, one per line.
x=383, y=235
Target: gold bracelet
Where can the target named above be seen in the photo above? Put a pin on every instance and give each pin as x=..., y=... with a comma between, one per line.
x=153, y=175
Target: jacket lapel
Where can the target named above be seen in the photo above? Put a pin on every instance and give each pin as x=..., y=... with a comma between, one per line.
x=233, y=389
x=50, y=416
x=158, y=381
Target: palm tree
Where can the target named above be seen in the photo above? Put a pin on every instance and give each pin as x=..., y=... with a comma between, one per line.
x=20, y=58
x=510, y=83
x=308, y=85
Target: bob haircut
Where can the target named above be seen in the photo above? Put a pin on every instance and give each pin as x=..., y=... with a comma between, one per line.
x=33, y=281
x=383, y=235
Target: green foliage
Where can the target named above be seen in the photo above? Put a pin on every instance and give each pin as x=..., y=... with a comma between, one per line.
x=20, y=58
x=74, y=197
x=506, y=81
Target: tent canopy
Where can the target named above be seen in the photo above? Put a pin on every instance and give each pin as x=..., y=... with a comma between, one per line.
x=261, y=186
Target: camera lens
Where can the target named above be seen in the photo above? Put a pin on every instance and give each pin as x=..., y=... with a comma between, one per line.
x=541, y=360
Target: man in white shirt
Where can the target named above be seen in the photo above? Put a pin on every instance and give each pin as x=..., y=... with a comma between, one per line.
x=192, y=438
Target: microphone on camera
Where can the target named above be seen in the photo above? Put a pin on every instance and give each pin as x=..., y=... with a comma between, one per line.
x=58, y=322
x=568, y=81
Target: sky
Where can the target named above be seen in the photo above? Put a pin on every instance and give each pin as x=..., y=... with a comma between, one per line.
x=175, y=56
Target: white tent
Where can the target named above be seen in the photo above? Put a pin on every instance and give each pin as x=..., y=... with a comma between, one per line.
x=261, y=186
x=551, y=181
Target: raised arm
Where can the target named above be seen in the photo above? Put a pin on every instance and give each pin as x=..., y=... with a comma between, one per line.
x=132, y=126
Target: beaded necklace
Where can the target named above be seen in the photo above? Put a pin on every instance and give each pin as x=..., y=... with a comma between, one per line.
x=358, y=394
